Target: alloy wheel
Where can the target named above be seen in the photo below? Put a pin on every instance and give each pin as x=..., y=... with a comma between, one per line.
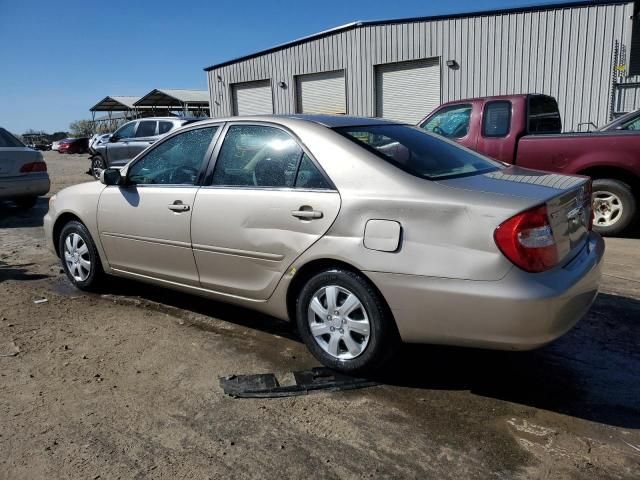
x=607, y=208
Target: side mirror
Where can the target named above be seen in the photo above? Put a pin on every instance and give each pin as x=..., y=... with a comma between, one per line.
x=110, y=176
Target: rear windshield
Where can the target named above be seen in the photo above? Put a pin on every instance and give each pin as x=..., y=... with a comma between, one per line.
x=419, y=153
x=544, y=116
x=8, y=140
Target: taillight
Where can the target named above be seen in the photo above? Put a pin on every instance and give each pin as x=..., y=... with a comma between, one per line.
x=33, y=167
x=527, y=240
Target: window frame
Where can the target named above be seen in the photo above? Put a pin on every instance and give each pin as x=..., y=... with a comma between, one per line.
x=208, y=177
x=167, y=137
x=484, y=119
x=450, y=107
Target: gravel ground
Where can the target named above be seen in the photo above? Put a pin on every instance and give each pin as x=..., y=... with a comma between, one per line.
x=124, y=384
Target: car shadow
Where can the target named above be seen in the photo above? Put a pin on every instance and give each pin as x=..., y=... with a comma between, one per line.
x=593, y=372
x=12, y=216
x=18, y=272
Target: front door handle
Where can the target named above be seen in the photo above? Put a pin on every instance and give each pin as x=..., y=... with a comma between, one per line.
x=306, y=214
x=178, y=206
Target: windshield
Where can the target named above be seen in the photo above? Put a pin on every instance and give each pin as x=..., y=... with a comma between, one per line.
x=419, y=153
x=8, y=140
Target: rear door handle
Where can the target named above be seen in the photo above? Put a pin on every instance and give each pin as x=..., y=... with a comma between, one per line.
x=306, y=214
x=178, y=206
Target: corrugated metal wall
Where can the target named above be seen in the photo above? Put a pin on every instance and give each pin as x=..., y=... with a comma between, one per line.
x=564, y=52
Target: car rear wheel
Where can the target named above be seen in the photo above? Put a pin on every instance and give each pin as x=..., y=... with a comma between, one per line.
x=97, y=166
x=614, y=206
x=344, y=322
x=26, y=202
x=79, y=256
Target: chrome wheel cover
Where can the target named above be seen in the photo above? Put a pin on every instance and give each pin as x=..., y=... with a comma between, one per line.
x=607, y=208
x=339, y=322
x=76, y=256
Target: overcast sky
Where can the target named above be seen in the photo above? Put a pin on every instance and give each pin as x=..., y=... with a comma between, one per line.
x=59, y=58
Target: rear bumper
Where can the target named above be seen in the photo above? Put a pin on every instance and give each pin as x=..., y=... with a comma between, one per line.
x=520, y=312
x=32, y=185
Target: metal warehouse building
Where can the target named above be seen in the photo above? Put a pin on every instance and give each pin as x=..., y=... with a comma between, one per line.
x=581, y=53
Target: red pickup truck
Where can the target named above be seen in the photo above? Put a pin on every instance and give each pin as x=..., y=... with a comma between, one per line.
x=525, y=130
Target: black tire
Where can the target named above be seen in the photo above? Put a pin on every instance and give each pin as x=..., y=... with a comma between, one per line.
x=97, y=165
x=26, y=202
x=383, y=338
x=604, y=186
x=96, y=273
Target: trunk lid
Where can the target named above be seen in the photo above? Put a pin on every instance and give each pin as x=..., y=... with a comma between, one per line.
x=567, y=198
x=13, y=158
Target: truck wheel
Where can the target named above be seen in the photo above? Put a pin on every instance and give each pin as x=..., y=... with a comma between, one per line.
x=614, y=206
x=97, y=166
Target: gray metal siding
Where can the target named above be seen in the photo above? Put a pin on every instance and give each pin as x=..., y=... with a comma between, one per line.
x=564, y=52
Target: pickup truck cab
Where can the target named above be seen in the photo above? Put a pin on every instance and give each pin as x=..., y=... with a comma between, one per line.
x=525, y=130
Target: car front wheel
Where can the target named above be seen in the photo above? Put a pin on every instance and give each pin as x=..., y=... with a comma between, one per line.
x=344, y=322
x=97, y=166
x=614, y=206
x=79, y=255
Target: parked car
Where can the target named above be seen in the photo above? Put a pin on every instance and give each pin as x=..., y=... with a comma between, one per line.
x=23, y=173
x=98, y=139
x=362, y=231
x=55, y=145
x=525, y=130
x=131, y=139
x=74, y=145
x=629, y=121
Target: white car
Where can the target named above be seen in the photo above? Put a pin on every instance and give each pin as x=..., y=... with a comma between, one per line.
x=55, y=145
x=23, y=173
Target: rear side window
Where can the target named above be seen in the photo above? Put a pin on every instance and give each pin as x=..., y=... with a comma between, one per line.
x=164, y=127
x=544, y=116
x=146, y=128
x=496, y=120
x=417, y=152
x=309, y=176
x=8, y=140
x=257, y=156
x=450, y=122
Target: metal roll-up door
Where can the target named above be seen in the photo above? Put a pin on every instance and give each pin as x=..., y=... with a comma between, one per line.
x=407, y=91
x=252, y=98
x=321, y=93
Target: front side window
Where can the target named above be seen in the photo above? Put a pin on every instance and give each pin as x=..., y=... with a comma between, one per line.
x=176, y=161
x=632, y=125
x=450, y=122
x=418, y=152
x=257, y=156
x=496, y=120
x=126, y=131
x=146, y=128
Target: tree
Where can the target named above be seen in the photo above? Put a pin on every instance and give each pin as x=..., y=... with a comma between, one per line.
x=82, y=128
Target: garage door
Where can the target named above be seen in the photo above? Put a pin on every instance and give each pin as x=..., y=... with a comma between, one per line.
x=407, y=91
x=321, y=93
x=252, y=98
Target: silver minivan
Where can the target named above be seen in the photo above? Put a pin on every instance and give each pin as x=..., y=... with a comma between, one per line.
x=132, y=138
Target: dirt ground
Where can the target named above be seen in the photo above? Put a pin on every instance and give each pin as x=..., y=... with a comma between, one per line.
x=125, y=384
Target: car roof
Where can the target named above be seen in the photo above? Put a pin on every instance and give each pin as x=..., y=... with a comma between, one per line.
x=331, y=121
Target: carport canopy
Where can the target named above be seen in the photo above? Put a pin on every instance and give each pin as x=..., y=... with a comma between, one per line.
x=174, y=98
x=115, y=104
